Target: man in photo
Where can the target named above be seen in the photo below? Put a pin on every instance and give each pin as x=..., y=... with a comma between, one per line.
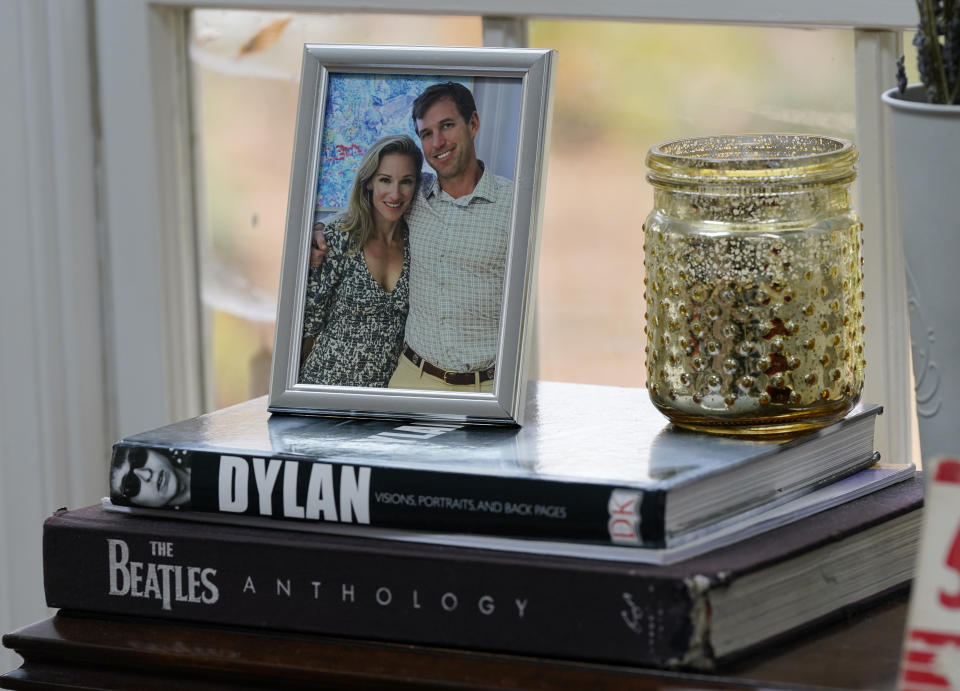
x=147, y=477
x=459, y=230
x=459, y=226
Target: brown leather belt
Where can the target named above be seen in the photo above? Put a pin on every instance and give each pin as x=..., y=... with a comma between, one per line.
x=448, y=376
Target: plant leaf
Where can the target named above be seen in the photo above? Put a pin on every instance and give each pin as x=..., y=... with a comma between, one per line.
x=266, y=37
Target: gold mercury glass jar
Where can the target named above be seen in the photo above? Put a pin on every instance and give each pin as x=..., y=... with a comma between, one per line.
x=753, y=283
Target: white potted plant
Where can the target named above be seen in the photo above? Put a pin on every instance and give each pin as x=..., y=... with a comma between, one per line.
x=925, y=131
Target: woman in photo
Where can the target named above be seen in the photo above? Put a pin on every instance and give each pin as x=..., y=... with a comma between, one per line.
x=357, y=298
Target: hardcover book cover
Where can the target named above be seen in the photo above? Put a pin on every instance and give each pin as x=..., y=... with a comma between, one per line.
x=594, y=463
x=718, y=534
x=691, y=614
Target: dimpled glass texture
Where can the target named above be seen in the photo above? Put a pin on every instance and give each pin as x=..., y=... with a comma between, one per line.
x=753, y=287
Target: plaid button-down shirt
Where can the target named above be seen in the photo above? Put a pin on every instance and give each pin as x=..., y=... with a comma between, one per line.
x=458, y=257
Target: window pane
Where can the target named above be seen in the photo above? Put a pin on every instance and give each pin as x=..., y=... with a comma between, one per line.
x=622, y=87
x=245, y=68
x=910, y=58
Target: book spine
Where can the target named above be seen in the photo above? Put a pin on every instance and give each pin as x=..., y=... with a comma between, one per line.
x=280, y=580
x=309, y=489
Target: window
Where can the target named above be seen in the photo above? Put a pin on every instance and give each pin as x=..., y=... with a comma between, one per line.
x=149, y=211
x=621, y=87
x=246, y=68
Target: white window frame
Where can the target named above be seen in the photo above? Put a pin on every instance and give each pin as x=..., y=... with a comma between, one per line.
x=154, y=311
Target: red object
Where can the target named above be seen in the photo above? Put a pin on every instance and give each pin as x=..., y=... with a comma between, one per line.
x=948, y=471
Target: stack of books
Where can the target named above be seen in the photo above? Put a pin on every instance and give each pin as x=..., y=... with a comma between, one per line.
x=597, y=531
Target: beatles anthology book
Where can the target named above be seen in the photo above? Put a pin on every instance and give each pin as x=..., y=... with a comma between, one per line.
x=687, y=615
x=593, y=464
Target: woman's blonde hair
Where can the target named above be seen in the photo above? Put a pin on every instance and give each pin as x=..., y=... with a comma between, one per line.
x=359, y=216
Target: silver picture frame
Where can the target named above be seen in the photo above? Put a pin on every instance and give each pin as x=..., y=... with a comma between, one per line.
x=521, y=115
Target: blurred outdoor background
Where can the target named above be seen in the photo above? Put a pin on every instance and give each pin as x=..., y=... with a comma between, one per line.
x=620, y=88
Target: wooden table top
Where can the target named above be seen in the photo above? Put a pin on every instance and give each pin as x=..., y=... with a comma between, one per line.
x=73, y=651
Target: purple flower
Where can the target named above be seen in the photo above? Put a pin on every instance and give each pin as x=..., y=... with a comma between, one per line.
x=938, y=51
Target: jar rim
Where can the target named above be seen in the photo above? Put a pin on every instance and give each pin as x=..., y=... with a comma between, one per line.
x=744, y=158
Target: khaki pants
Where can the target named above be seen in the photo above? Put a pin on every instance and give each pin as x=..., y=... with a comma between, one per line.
x=409, y=376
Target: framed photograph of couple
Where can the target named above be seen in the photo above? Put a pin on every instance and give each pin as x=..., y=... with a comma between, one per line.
x=409, y=261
